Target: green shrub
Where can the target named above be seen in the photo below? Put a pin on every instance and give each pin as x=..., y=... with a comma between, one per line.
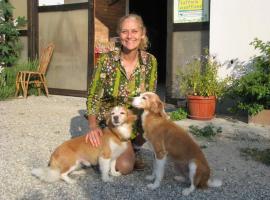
x=252, y=90
x=10, y=44
x=209, y=131
x=178, y=114
x=256, y=154
x=8, y=78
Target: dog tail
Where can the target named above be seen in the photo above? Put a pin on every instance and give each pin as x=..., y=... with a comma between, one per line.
x=214, y=183
x=46, y=174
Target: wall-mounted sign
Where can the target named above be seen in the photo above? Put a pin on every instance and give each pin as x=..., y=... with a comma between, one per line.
x=188, y=11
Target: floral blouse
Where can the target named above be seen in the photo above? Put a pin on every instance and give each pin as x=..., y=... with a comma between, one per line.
x=110, y=85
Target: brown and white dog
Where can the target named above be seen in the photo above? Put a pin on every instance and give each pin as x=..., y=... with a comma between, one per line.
x=75, y=152
x=168, y=139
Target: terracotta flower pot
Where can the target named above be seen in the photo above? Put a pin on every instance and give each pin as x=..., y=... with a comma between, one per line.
x=201, y=108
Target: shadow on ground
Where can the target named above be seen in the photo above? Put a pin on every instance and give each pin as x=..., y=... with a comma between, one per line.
x=78, y=124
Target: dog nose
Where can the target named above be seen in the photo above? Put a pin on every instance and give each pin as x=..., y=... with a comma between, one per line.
x=116, y=118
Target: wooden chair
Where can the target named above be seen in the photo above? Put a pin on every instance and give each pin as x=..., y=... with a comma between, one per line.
x=24, y=78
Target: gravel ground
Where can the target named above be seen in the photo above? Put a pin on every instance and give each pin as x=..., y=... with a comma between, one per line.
x=30, y=130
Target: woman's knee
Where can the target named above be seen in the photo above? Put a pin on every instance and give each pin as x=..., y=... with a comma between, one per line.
x=125, y=166
x=125, y=162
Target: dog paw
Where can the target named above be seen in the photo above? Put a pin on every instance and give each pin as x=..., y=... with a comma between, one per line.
x=150, y=177
x=186, y=191
x=116, y=173
x=153, y=186
x=179, y=178
x=79, y=172
x=107, y=179
x=70, y=181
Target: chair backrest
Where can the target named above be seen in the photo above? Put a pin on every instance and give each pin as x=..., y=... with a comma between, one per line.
x=45, y=58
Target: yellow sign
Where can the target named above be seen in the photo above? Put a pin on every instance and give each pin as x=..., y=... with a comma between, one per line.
x=190, y=5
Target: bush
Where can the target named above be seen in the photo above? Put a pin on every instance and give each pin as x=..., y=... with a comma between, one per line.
x=178, y=114
x=10, y=45
x=252, y=90
x=256, y=154
x=209, y=131
x=8, y=78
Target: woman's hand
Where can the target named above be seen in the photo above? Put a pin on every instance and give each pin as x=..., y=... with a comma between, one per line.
x=94, y=136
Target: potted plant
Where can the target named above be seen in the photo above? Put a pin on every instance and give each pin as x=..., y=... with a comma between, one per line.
x=251, y=91
x=200, y=83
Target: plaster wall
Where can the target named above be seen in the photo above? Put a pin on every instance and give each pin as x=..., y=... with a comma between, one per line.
x=20, y=8
x=233, y=25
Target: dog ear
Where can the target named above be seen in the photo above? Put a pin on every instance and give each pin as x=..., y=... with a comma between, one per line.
x=158, y=108
x=163, y=113
x=108, y=119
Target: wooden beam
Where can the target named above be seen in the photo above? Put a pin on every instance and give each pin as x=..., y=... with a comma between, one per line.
x=67, y=92
x=91, y=40
x=197, y=26
x=23, y=32
x=32, y=18
x=63, y=7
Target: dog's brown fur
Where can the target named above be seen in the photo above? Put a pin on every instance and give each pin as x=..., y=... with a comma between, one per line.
x=69, y=155
x=167, y=138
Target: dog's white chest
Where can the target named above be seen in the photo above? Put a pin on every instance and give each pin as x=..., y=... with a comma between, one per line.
x=125, y=131
x=117, y=149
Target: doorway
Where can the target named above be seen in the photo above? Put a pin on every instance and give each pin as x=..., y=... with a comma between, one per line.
x=154, y=14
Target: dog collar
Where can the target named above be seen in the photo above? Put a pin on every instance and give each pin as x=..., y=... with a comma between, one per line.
x=119, y=137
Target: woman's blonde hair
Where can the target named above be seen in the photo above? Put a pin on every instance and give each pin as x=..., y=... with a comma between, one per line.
x=144, y=42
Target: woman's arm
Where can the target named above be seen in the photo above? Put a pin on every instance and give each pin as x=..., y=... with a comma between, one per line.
x=95, y=93
x=94, y=133
x=151, y=77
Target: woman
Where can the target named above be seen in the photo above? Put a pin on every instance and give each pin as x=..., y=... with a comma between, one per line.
x=118, y=76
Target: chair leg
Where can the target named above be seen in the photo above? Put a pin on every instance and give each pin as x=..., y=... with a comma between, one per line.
x=44, y=82
x=17, y=83
x=39, y=89
x=23, y=80
x=27, y=78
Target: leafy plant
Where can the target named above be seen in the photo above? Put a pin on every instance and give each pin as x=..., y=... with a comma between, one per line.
x=252, y=90
x=10, y=45
x=178, y=114
x=209, y=131
x=8, y=78
x=200, y=77
x=258, y=155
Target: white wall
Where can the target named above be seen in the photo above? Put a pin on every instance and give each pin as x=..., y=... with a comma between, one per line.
x=234, y=24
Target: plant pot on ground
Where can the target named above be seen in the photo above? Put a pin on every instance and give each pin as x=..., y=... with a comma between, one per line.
x=200, y=83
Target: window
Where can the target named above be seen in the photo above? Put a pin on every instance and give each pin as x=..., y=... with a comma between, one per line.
x=188, y=11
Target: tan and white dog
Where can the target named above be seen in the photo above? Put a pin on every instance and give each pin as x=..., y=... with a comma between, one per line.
x=168, y=139
x=70, y=155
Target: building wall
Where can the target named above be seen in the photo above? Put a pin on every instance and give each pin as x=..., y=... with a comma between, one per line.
x=233, y=25
x=20, y=9
x=110, y=14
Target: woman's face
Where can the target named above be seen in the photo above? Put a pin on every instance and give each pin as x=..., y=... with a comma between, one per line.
x=131, y=34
